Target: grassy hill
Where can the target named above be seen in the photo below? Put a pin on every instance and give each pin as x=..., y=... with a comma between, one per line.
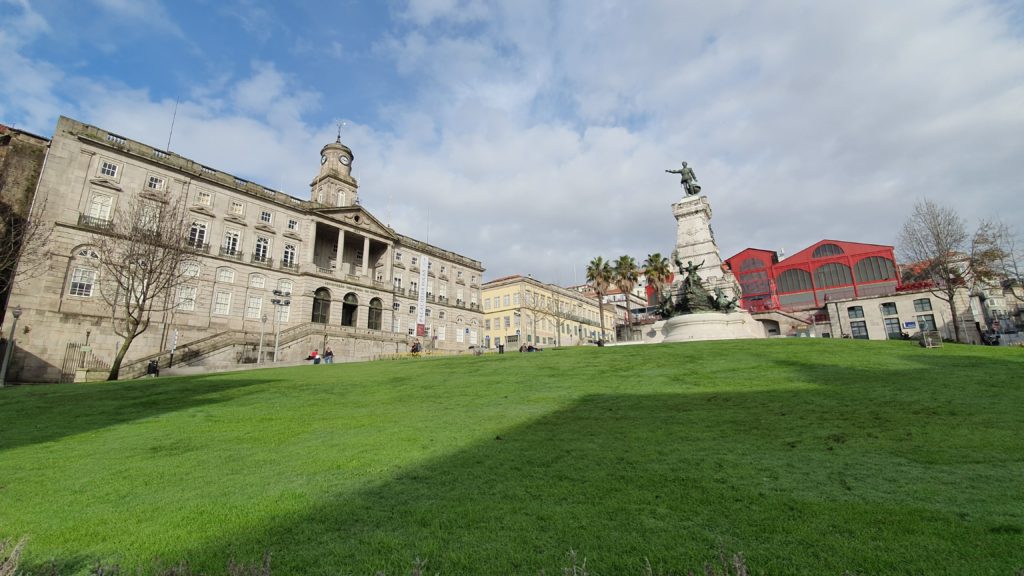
x=808, y=456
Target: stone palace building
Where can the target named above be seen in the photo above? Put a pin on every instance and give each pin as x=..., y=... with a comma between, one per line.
x=291, y=274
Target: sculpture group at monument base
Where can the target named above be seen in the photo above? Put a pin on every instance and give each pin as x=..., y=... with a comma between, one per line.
x=712, y=326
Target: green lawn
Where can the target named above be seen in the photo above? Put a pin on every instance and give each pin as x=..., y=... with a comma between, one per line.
x=808, y=456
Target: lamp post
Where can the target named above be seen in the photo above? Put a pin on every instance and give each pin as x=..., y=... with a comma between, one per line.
x=10, y=345
x=263, y=328
x=280, y=302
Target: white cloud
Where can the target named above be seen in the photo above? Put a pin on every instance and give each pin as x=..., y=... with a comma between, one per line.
x=536, y=135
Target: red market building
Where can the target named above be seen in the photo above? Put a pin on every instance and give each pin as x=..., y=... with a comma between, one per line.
x=826, y=271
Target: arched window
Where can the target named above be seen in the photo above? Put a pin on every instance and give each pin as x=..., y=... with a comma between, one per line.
x=834, y=274
x=321, y=306
x=794, y=280
x=751, y=264
x=826, y=250
x=374, y=320
x=349, y=307
x=874, y=268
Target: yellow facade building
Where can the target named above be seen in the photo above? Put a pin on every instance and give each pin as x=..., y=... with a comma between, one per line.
x=521, y=311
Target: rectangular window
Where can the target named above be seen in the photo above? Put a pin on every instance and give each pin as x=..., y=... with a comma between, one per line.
x=283, y=313
x=892, y=328
x=487, y=303
x=923, y=305
x=487, y=324
x=187, y=298
x=460, y=334
x=888, y=309
x=515, y=299
x=232, y=239
x=293, y=224
x=441, y=315
x=82, y=280
x=414, y=260
x=225, y=275
x=204, y=198
x=99, y=207
x=254, y=307
x=926, y=322
x=398, y=256
x=262, y=250
x=288, y=256
x=859, y=330
x=508, y=322
x=257, y=281
x=237, y=208
x=855, y=312
x=190, y=269
x=266, y=217
x=504, y=300
x=197, y=234
x=222, y=303
x=108, y=169
x=155, y=183
x=440, y=332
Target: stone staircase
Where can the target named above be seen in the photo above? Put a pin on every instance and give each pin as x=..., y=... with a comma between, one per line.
x=196, y=350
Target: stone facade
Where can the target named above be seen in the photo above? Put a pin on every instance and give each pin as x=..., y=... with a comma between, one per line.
x=21, y=160
x=523, y=311
x=347, y=279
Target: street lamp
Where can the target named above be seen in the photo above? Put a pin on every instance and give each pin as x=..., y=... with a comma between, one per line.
x=10, y=345
x=280, y=302
x=263, y=328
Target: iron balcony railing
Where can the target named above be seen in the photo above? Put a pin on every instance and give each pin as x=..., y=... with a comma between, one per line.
x=229, y=252
x=94, y=222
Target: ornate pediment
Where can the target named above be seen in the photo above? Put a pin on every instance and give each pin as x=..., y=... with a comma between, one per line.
x=293, y=236
x=235, y=220
x=202, y=210
x=106, y=183
x=355, y=217
x=265, y=228
x=154, y=197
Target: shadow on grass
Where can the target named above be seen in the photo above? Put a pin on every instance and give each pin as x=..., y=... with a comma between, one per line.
x=859, y=470
x=69, y=409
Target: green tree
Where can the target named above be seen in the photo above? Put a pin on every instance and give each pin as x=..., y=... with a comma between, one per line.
x=625, y=272
x=599, y=276
x=657, y=271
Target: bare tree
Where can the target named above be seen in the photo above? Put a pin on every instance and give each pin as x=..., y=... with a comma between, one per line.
x=1011, y=266
x=560, y=309
x=23, y=241
x=146, y=256
x=935, y=243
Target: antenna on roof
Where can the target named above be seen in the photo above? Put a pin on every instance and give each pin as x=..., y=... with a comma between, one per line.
x=340, y=124
x=173, y=118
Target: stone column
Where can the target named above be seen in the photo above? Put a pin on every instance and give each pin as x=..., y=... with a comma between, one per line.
x=366, y=255
x=341, y=252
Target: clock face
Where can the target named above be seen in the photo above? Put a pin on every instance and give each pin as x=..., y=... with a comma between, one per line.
x=344, y=160
x=323, y=159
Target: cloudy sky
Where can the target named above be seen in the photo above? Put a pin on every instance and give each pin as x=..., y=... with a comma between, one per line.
x=534, y=135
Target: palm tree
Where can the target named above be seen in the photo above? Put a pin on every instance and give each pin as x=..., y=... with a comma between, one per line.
x=599, y=275
x=625, y=273
x=657, y=271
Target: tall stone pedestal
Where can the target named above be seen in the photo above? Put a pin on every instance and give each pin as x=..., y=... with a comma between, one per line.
x=695, y=240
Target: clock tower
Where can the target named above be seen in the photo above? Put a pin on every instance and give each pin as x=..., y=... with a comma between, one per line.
x=334, y=186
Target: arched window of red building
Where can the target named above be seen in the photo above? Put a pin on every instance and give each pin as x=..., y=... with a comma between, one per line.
x=795, y=280
x=834, y=274
x=873, y=269
x=826, y=250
